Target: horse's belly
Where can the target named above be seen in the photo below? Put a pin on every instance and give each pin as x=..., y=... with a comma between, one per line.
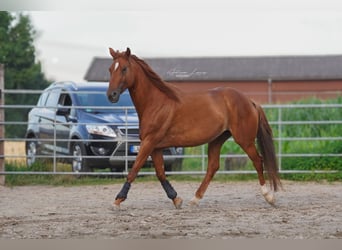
x=200, y=119
x=194, y=135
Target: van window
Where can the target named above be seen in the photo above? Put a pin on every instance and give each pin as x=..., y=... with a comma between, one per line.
x=42, y=99
x=52, y=99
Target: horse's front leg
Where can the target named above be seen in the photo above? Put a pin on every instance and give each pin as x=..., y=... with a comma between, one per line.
x=144, y=152
x=157, y=157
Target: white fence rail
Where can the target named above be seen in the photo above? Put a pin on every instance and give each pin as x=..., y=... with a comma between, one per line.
x=194, y=159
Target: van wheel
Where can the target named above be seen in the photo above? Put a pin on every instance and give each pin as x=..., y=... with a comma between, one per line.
x=79, y=162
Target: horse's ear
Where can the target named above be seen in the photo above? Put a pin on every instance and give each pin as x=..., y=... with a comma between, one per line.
x=112, y=52
x=128, y=52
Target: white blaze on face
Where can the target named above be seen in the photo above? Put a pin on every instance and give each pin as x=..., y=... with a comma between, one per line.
x=116, y=66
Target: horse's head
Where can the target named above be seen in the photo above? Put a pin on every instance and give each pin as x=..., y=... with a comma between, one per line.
x=121, y=76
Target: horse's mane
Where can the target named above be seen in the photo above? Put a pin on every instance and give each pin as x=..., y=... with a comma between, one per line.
x=155, y=79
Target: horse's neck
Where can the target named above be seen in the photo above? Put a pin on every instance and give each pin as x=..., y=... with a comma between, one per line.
x=148, y=97
x=143, y=95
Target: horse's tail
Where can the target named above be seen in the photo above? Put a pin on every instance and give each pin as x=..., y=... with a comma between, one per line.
x=266, y=147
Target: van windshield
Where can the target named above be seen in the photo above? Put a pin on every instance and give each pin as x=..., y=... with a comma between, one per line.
x=98, y=103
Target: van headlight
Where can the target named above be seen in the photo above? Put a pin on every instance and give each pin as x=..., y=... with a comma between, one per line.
x=101, y=130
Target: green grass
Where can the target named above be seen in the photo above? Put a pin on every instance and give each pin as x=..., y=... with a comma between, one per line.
x=69, y=180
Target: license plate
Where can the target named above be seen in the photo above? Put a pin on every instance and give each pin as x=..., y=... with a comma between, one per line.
x=134, y=148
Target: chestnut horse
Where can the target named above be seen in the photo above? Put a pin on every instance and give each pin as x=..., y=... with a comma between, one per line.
x=170, y=117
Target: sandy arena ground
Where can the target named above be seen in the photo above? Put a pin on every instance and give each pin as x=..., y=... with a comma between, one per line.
x=229, y=210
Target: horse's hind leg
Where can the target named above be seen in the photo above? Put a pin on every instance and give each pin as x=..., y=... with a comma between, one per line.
x=252, y=153
x=157, y=157
x=214, y=148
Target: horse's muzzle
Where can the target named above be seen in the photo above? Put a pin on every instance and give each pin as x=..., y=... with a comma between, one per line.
x=114, y=96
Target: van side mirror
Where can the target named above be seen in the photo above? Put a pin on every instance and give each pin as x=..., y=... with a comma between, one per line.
x=63, y=111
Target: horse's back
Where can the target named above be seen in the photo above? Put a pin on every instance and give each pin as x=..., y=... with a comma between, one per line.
x=220, y=101
x=235, y=100
x=218, y=105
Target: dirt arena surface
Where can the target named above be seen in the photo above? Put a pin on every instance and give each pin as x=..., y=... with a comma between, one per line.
x=229, y=210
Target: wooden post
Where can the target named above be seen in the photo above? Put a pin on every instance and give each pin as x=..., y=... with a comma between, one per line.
x=2, y=126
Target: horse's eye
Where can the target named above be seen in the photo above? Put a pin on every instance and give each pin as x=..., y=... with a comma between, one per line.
x=124, y=70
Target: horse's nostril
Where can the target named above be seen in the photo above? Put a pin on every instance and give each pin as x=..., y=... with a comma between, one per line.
x=114, y=96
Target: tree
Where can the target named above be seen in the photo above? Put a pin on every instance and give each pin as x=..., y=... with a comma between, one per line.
x=17, y=53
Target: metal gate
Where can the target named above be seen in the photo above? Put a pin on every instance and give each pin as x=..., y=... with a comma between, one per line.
x=194, y=160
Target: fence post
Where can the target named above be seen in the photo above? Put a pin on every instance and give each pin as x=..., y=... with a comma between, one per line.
x=203, y=157
x=2, y=126
x=270, y=99
x=280, y=119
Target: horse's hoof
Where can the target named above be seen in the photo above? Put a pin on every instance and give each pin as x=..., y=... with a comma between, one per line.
x=269, y=197
x=115, y=207
x=194, y=202
x=117, y=202
x=178, y=202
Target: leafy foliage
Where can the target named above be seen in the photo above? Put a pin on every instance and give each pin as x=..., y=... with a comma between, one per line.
x=17, y=53
x=310, y=129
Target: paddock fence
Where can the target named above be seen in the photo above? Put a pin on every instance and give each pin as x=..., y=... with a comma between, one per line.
x=295, y=140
